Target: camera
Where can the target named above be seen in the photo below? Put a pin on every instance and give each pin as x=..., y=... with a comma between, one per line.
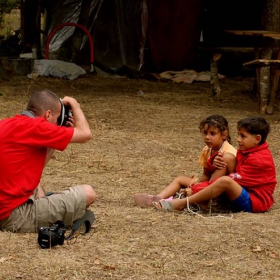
x=51, y=236
x=65, y=114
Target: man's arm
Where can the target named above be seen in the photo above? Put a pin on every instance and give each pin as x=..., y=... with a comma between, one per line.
x=39, y=192
x=50, y=153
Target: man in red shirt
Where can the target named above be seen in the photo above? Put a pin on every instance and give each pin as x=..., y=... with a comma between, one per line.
x=27, y=142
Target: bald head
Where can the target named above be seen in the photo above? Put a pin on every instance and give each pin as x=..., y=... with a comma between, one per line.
x=43, y=100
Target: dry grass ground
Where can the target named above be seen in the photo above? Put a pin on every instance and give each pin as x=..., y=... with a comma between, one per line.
x=140, y=143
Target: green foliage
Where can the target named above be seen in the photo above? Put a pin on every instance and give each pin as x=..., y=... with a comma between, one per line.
x=9, y=23
x=7, y=5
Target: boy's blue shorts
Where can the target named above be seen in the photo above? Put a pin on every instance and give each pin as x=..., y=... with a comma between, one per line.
x=242, y=203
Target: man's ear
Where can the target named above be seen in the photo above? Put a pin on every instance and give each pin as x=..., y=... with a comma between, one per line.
x=258, y=139
x=47, y=114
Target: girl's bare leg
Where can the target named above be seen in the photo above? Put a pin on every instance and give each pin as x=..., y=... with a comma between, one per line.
x=175, y=186
x=146, y=200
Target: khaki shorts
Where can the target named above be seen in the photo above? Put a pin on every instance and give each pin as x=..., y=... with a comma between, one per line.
x=66, y=206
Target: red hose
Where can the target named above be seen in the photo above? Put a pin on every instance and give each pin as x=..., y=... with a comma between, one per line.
x=76, y=25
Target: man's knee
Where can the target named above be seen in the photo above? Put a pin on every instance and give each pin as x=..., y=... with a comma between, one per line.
x=90, y=194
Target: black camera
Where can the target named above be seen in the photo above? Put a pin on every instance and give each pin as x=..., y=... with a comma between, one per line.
x=65, y=114
x=51, y=236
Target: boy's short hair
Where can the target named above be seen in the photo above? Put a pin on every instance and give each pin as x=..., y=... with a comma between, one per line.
x=255, y=125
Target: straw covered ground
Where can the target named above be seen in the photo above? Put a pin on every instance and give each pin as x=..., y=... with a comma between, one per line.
x=141, y=141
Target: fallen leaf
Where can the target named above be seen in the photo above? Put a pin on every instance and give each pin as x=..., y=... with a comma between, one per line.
x=3, y=259
x=273, y=255
x=257, y=249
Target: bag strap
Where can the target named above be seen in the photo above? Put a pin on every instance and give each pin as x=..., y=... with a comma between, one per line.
x=86, y=221
x=28, y=114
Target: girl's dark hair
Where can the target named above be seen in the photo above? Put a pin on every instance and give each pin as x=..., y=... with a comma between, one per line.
x=217, y=121
x=255, y=125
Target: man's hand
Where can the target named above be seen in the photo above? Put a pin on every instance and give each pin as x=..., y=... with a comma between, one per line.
x=70, y=121
x=81, y=127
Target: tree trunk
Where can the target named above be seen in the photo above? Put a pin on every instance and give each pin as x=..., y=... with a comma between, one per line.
x=215, y=85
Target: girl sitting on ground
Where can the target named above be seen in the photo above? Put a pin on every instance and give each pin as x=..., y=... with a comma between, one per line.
x=215, y=132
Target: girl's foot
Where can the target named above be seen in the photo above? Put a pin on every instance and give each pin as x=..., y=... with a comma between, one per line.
x=168, y=199
x=163, y=205
x=146, y=200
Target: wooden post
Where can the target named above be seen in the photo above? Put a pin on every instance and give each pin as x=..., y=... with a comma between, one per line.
x=215, y=85
x=274, y=86
x=270, y=21
x=268, y=65
x=264, y=81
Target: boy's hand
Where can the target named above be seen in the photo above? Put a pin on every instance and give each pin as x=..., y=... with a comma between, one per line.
x=218, y=161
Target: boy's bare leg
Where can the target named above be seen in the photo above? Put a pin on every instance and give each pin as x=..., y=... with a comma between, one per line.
x=223, y=185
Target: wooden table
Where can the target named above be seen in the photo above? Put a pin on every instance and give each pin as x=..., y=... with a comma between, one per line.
x=260, y=33
x=265, y=66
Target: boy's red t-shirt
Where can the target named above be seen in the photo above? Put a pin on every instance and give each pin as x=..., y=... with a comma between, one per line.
x=24, y=142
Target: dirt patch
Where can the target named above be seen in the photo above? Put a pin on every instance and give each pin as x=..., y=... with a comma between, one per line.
x=142, y=140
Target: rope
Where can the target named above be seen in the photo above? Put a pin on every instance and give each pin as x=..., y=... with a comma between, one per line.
x=196, y=212
x=188, y=210
x=179, y=195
